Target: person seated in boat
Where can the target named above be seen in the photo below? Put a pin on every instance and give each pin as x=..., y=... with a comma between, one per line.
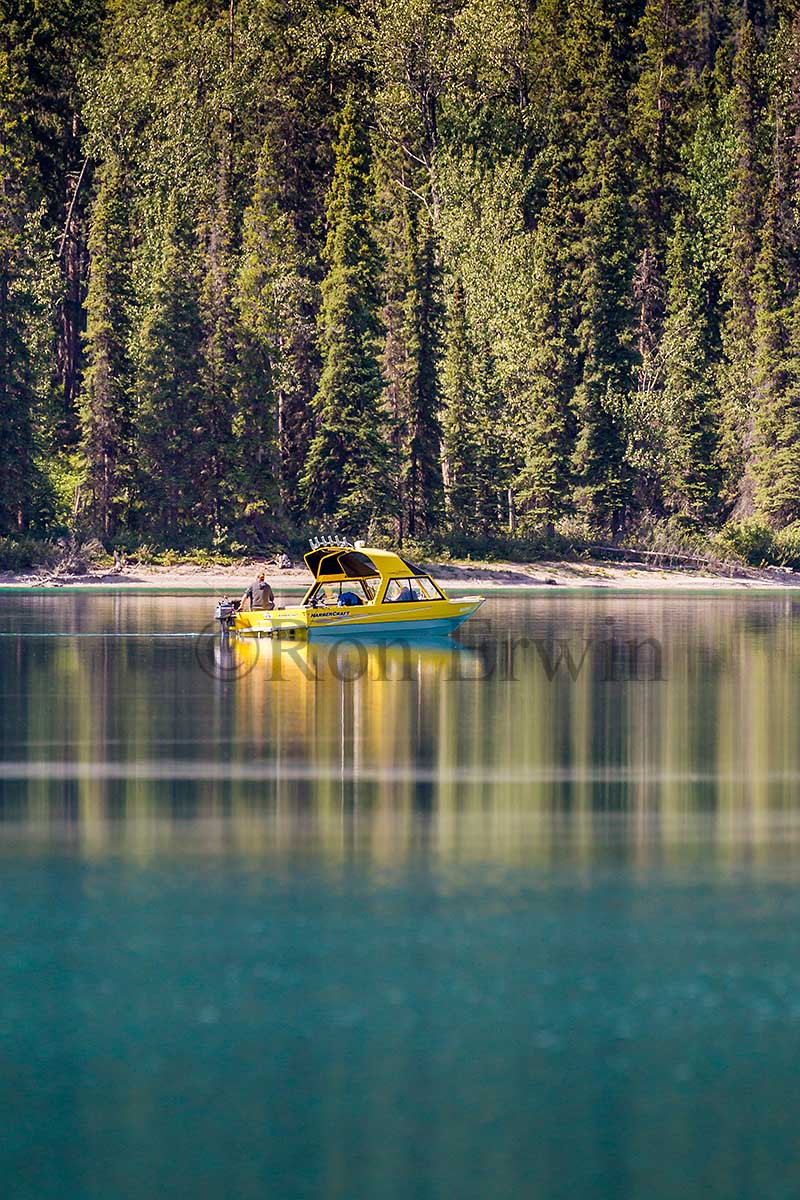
x=260, y=595
x=396, y=594
x=349, y=599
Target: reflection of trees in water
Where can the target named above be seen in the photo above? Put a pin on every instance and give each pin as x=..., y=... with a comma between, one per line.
x=385, y=751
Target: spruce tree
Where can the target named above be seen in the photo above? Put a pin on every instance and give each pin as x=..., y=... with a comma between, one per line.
x=473, y=446
x=591, y=187
x=661, y=102
x=169, y=387
x=544, y=420
x=460, y=434
x=19, y=307
x=347, y=477
x=219, y=365
x=106, y=401
x=645, y=424
x=17, y=479
x=273, y=300
x=690, y=483
x=492, y=452
x=736, y=370
x=775, y=456
x=419, y=417
x=603, y=486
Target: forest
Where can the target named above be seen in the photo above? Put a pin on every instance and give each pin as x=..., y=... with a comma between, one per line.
x=436, y=271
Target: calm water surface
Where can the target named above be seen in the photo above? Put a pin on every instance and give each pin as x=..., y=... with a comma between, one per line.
x=439, y=921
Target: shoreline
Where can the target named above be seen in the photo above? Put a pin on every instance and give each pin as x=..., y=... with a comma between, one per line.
x=457, y=576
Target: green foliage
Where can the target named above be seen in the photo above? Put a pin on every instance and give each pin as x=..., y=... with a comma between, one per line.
x=106, y=400
x=744, y=119
x=775, y=461
x=422, y=486
x=172, y=436
x=20, y=554
x=689, y=482
x=750, y=541
x=466, y=271
x=273, y=299
x=347, y=474
x=471, y=449
x=786, y=546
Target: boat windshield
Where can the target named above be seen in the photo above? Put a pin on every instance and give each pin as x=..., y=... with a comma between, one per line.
x=401, y=591
x=344, y=591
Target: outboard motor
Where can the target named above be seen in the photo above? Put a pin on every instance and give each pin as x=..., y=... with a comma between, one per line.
x=225, y=613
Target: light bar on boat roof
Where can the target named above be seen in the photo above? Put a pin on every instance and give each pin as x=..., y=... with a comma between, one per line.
x=334, y=542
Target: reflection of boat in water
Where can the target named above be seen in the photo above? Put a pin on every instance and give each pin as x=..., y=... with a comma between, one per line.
x=358, y=591
x=370, y=656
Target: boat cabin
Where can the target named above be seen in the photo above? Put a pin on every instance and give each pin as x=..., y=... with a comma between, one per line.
x=347, y=577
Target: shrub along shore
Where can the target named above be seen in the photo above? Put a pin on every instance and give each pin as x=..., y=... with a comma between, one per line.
x=755, y=559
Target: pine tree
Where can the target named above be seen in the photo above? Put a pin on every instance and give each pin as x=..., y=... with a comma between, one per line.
x=659, y=120
x=736, y=374
x=776, y=461
x=545, y=421
x=590, y=186
x=219, y=365
x=460, y=438
x=421, y=447
x=603, y=487
x=491, y=448
x=347, y=475
x=645, y=424
x=273, y=301
x=775, y=457
x=690, y=482
x=106, y=402
x=169, y=387
x=473, y=446
x=18, y=477
x=19, y=480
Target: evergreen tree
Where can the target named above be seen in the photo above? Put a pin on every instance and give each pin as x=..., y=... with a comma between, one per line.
x=776, y=462
x=273, y=301
x=602, y=477
x=219, y=366
x=18, y=481
x=587, y=153
x=26, y=292
x=347, y=475
x=492, y=453
x=169, y=387
x=690, y=482
x=106, y=402
x=473, y=445
x=775, y=457
x=659, y=120
x=646, y=427
x=736, y=373
x=545, y=421
x=421, y=448
x=460, y=434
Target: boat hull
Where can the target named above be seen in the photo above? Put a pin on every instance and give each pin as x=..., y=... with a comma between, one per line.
x=418, y=617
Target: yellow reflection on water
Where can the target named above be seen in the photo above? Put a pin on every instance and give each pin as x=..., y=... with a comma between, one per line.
x=140, y=745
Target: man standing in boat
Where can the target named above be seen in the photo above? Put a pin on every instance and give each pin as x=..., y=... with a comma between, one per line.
x=260, y=594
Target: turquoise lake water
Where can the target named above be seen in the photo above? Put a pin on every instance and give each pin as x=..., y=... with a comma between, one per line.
x=436, y=921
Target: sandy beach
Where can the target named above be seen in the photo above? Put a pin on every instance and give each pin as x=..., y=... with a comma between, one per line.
x=459, y=576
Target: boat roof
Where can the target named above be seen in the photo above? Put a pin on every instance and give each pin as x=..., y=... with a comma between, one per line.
x=329, y=564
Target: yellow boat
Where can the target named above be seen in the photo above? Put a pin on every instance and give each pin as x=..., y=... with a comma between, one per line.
x=358, y=590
